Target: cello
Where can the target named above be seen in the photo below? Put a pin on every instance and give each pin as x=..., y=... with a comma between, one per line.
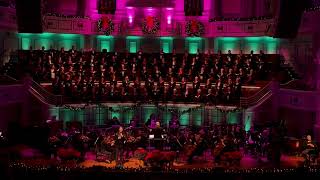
x=217, y=150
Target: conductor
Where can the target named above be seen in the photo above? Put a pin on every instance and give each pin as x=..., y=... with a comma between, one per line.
x=158, y=132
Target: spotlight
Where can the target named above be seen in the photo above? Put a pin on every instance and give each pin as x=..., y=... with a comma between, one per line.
x=169, y=19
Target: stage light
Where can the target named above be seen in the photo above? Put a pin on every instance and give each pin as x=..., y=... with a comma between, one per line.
x=130, y=19
x=169, y=19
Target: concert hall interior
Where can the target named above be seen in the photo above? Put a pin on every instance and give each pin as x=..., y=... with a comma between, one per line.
x=161, y=89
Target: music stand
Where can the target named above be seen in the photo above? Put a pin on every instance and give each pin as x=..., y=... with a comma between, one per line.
x=151, y=136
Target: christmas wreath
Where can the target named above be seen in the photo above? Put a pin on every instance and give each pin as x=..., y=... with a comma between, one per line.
x=106, y=25
x=150, y=25
x=194, y=28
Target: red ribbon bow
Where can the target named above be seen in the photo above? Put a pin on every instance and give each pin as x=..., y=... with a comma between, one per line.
x=105, y=23
x=194, y=26
x=150, y=22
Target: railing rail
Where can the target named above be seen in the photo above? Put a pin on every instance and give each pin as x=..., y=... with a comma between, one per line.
x=46, y=96
x=4, y=76
x=257, y=97
x=37, y=90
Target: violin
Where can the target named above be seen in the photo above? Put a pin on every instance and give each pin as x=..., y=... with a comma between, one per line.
x=131, y=139
x=109, y=141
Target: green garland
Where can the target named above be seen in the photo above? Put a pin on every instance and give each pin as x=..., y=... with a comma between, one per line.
x=154, y=28
x=180, y=113
x=159, y=107
x=109, y=26
x=227, y=110
x=132, y=108
x=67, y=16
x=120, y=110
x=198, y=31
x=75, y=108
x=177, y=112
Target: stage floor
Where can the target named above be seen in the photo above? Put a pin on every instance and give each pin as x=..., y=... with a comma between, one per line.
x=202, y=167
x=247, y=162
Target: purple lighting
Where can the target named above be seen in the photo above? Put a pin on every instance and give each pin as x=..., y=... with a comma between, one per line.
x=130, y=19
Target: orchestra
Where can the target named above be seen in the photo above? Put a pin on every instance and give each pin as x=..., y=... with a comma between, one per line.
x=120, y=142
x=225, y=143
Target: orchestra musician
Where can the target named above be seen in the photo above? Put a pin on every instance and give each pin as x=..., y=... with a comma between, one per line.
x=199, y=145
x=174, y=125
x=218, y=150
x=310, y=149
x=174, y=134
x=132, y=138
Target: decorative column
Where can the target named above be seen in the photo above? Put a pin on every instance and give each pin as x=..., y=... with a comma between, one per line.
x=179, y=10
x=316, y=129
x=120, y=9
x=216, y=8
x=248, y=119
x=179, y=24
x=254, y=7
x=207, y=9
x=247, y=8
x=260, y=8
x=316, y=77
x=275, y=7
x=92, y=9
x=81, y=7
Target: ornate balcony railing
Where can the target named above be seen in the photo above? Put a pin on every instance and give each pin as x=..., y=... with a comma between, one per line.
x=57, y=24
